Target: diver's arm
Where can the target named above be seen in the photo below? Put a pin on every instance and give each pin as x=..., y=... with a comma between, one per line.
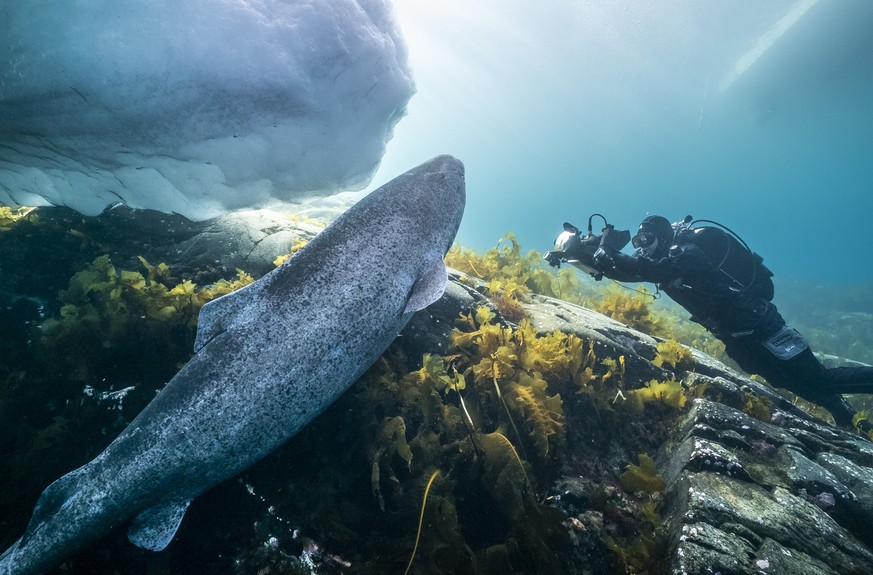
x=622, y=267
x=618, y=266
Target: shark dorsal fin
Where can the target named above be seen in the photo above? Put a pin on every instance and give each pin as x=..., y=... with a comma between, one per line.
x=51, y=501
x=218, y=315
x=429, y=286
x=154, y=528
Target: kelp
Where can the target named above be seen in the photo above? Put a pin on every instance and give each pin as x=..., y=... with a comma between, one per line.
x=529, y=371
x=320, y=223
x=390, y=441
x=504, y=476
x=10, y=216
x=103, y=307
x=512, y=275
x=861, y=422
x=518, y=366
x=542, y=413
x=668, y=393
x=295, y=247
x=674, y=356
x=454, y=419
x=640, y=551
x=420, y=520
x=632, y=308
x=758, y=406
x=642, y=477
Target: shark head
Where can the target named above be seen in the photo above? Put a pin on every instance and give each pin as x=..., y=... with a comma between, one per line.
x=413, y=219
x=427, y=219
x=429, y=201
x=395, y=238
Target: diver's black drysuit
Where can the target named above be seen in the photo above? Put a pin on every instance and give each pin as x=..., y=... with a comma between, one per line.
x=728, y=289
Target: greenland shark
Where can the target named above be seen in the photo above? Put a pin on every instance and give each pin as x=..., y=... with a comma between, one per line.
x=268, y=359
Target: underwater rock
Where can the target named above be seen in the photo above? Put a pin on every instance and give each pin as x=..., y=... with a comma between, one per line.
x=859, y=479
x=430, y=330
x=699, y=454
x=744, y=495
x=204, y=251
x=714, y=500
x=780, y=496
x=247, y=240
x=549, y=314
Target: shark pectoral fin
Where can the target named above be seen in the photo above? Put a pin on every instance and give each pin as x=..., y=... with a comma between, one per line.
x=429, y=286
x=154, y=528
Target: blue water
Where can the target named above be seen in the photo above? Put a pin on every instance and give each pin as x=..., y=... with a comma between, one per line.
x=622, y=108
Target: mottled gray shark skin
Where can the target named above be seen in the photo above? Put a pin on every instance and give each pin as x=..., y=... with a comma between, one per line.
x=269, y=358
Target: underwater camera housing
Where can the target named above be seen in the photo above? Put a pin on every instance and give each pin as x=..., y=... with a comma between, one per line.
x=614, y=239
x=578, y=250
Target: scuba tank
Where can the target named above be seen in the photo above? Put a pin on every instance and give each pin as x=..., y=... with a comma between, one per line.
x=735, y=262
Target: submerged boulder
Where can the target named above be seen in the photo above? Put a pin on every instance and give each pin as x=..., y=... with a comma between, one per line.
x=749, y=490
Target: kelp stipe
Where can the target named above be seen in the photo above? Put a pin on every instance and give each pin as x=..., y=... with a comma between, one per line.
x=421, y=519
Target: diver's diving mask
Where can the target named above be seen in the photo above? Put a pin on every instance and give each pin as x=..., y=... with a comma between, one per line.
x=646, y=242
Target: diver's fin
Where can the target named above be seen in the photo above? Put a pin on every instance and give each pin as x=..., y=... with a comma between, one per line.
x=51, y=501
x=154, y=528
x=429, y=286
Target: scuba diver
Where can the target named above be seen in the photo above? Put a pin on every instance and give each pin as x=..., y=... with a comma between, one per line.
x=726, y=287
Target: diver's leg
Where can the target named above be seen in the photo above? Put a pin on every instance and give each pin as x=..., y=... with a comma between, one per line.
x=842, y=412
x=850, y=379
x=802, y=374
